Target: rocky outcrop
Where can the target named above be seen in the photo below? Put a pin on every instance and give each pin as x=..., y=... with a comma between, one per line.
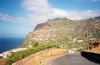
x=39, y=26
x=93, y=45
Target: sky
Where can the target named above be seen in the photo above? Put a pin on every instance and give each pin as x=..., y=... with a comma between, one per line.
x=19, y=17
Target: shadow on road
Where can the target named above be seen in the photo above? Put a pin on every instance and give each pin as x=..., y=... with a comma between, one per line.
x=93, y=57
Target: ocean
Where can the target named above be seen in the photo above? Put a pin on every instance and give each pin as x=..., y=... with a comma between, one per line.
x=10, y=43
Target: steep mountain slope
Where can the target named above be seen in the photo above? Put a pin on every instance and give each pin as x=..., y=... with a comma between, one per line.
x=65, y=32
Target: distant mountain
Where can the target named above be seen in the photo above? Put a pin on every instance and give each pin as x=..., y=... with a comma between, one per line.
x=72, y=33
x=97, y=17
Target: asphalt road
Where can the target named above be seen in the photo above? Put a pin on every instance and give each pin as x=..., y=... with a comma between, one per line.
x=71, y=59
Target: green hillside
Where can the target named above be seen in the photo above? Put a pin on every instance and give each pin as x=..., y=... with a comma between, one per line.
x=64, y=32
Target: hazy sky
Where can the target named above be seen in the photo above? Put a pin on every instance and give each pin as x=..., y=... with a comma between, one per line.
x=18, y=17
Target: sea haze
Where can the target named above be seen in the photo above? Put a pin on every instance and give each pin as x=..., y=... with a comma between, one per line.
x=9, y=43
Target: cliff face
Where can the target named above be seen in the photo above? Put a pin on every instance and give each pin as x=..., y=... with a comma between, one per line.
x=73, y=33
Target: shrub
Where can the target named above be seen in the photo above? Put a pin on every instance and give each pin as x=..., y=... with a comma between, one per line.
x=1, y=57
x=22, y=54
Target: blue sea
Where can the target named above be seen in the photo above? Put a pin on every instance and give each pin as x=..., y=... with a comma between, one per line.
x=10, y=43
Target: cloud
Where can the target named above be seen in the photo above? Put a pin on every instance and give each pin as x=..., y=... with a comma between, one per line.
x=39, y=11
x=7, y=18
x=76, y=15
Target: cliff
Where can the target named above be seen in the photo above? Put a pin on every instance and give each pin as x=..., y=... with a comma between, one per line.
x=65, y=32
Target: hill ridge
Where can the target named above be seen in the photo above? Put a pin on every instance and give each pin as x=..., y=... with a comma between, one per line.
x=72, y=33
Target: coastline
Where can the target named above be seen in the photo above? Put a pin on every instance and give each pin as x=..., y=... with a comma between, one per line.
x=8, y=53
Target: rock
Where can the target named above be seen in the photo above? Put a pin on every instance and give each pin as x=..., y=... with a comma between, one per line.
x=29, y=46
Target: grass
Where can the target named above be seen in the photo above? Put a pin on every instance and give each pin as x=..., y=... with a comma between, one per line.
x=22, y=54
x=1, y=57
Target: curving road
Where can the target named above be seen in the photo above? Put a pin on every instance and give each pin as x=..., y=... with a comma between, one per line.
x=71, y=59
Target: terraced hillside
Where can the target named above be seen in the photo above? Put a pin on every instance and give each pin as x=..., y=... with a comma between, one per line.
x=64, y=32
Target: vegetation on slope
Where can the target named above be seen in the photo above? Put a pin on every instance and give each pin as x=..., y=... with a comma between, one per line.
x=1, y=57
x=42, y=57
x=72, y=33
x=22, y=54
x=63, y=32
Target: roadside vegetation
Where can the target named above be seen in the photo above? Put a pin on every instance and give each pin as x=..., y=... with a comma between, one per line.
x=22, y=54
x=1, y=57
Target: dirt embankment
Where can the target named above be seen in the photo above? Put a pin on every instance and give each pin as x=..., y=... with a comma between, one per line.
x=94, y=48
x=41, y=57
x=3, y=61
